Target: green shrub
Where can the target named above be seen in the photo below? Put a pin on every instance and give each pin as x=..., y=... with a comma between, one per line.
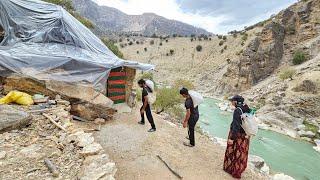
x=224, y=38
x=171, y=51
x=177, y=112
x=221, y=43
x=179, y=83
x=130, y=43
x=160, y=44
x=199, y=48
x=225, y=47
x=220, y=36
x=287, y=73
x=299, y=57
x=167, y=98
x=137, y=52
x=145, y=49
x=147, y=75
x=245, y=37
x=152, y=42
x=110, y=44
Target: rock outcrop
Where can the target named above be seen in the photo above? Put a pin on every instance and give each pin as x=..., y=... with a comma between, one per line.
x=11, y=118
x=258, y=61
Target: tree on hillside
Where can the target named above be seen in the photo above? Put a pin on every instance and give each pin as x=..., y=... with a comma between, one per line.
x=67, y=5
x=110, y=44
x=199, y=48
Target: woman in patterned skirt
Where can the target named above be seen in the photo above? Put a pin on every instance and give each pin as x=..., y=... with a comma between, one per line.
x=236, y=156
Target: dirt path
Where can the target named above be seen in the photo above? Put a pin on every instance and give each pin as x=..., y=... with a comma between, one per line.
x=135, y=151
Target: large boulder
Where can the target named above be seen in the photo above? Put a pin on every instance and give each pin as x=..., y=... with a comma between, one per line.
x=12, y=118
x=85, y=101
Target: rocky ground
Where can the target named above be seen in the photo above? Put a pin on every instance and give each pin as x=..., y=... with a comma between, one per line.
x=30, y=143
x=135, y=151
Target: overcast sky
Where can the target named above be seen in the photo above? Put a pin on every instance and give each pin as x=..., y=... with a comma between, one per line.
x=217, y=16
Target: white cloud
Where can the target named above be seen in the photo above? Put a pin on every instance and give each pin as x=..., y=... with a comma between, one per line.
x=168, y=9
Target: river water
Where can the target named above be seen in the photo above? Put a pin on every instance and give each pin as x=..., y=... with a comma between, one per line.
x=282, y=153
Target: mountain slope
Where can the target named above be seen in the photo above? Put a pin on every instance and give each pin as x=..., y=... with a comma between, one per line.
x=255, y=63
x=109, y=19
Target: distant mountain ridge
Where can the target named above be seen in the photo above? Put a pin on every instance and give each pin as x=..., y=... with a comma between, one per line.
x=108, y=19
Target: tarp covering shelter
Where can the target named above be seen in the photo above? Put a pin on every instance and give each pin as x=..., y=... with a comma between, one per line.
x=44, y=41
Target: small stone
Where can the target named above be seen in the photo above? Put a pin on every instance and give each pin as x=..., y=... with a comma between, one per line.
x=31, y=151
x=52, y=102
x=81, y=138
x=281, y=177
x=3, y=154
x=99, y=121
x=257, y=161
x=58, y=97
x=265, y=169
x=63, y=102
x=91, y=149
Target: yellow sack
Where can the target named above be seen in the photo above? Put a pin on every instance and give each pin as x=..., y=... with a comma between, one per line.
x=17, y=97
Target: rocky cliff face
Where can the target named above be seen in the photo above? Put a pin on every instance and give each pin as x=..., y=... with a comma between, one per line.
x=111, y=20
x=273, y=47
x=290, y=106
x=258, y=61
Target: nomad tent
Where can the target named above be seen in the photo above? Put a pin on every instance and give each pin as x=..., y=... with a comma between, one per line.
x=43, y=41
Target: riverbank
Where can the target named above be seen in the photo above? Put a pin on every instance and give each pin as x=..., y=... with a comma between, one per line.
x=282, y=153
x=298, y=134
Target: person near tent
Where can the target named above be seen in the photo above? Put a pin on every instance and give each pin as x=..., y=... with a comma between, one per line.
x=236, y=155
x=191, y=118
x=145, y=108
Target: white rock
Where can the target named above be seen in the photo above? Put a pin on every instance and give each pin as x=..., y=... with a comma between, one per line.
x=98, y=167
x=265, y=169
x=291, y=133
x=221, y=142
x=317, y=148
x=99, y=121
x=91, y=149
x=308, y=134
x=82, y=139
x=257, y=161
x=301, y=127
x=31, y=151
x=264, y=126
x=3, y=154
x=317, y=141
x=281, y=177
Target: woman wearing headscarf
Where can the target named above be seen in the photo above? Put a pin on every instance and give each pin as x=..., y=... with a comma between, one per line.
x=236, y=156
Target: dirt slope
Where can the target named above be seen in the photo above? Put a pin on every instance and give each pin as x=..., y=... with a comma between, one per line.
x=135, y=151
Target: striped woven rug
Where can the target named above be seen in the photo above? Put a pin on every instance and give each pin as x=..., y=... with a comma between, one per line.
x=117, y=86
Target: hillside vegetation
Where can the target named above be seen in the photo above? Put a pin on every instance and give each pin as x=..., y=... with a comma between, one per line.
x=274, y=64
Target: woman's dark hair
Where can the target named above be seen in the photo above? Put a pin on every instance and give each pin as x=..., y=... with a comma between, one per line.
x=184, y=91
x=141, y=81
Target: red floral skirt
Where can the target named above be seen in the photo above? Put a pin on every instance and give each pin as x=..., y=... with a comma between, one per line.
x=236, y=157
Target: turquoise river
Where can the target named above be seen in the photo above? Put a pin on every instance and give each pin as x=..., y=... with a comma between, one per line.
x=282, y=153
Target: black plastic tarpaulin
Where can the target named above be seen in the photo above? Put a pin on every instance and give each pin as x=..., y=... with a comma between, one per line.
x=44, y=41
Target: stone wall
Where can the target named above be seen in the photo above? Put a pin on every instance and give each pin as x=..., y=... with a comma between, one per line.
x=131, y=73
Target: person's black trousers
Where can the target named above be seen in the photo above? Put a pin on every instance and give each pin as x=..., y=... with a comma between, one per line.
x=192, y=124
x=149, y=116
